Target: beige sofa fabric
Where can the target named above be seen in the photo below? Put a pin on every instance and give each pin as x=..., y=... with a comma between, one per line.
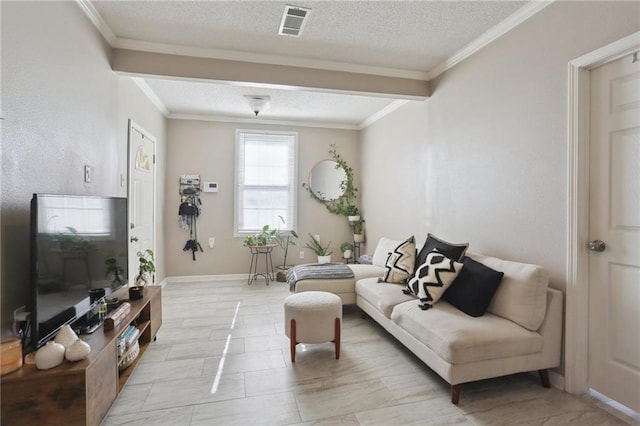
x=522, y=295
x=459, y=338
x=384, y=296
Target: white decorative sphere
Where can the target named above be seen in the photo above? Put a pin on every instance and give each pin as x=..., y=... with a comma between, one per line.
x=66, y=336
x=78, y=351
x=49, y=356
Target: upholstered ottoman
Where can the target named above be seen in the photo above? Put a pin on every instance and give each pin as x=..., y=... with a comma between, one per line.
x=313, y=317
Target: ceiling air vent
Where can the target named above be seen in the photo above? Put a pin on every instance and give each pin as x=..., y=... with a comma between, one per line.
x=293, y=20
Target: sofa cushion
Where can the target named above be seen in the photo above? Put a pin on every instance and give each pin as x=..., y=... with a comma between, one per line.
x=340, y=285
x=522, y=294
x=384, y=247
x=458, y=338
x=451, y=250
x=473, y=289
x=400, y=262
x=432, y=278
x=384, y=296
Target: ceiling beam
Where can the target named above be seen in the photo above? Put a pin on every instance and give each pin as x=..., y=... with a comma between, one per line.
x=150, y=64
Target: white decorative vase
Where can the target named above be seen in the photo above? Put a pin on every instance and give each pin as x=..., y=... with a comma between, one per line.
x=66, y=336
x=49, y=356
x=353, y=218
x=77, y=351
x=324, y=259
x=347, y=254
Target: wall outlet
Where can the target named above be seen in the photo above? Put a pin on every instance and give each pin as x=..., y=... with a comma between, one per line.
x=317, y=237
x=212, y=242
x=301, y=254
x=87, y=173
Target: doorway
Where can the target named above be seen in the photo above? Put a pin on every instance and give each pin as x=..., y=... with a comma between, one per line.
x=580, y=365
x=142, y=190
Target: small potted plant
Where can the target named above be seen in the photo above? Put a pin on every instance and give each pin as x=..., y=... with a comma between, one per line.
x=352, y=212
x=262, y=238
x=323, y=253
x=347, y=250
x=284, y=239
x=146, y=268
x=358, y=231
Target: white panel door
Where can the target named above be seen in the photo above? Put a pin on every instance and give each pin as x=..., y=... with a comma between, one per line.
x=142, y=148
x=614, y=218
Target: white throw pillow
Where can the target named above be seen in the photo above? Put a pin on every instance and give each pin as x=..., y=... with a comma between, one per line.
x=433, y=278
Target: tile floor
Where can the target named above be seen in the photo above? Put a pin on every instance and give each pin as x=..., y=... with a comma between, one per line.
x=221, y=358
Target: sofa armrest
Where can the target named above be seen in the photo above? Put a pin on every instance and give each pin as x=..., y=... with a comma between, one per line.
x=551, y=329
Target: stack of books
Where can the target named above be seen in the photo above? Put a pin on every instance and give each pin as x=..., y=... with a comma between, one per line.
x=127, y=339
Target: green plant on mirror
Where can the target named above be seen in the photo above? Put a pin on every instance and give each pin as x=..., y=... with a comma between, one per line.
x=345, y=204
x=146, y=267
x=315, y=246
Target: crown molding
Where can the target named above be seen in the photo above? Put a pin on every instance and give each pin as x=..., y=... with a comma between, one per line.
x=251, y=120
x=526, y=12
x=148, y=91
x=382, y=113
x=97, y=21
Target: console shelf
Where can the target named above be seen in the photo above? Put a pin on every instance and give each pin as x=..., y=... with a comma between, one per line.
x=80, y=392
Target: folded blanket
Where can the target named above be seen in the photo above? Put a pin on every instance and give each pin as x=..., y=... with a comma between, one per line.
x=317, y=271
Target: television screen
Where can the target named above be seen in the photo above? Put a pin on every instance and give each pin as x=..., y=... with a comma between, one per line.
x=78, y=243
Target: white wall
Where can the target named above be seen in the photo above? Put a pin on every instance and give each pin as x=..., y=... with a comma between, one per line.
x=487, y=153
x=207, y=148
x=63, y=108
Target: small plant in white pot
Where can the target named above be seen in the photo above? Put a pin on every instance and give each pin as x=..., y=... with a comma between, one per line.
x=323, y=253
x=347, y=250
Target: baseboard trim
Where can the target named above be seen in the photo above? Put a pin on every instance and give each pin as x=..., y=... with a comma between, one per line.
x=200, y=278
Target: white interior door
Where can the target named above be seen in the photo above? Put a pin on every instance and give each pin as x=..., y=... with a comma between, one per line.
x=142, y=184
x=614, y=219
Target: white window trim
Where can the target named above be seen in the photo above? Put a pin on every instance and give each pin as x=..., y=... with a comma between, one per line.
x=289, y=226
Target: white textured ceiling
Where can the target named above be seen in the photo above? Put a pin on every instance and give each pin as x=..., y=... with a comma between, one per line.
x=389, y=37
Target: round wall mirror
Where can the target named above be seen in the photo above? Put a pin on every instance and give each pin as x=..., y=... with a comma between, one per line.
x=325, y=179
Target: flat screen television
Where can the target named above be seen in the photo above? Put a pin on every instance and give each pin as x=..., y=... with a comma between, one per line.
x=78, y=243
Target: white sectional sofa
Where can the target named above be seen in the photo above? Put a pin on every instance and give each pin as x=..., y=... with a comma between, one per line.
x=521, y=330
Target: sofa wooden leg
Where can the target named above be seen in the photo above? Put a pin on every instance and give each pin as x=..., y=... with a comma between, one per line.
x=292, y=340
x=455, y=394
x=337, y=336
x=544, y=378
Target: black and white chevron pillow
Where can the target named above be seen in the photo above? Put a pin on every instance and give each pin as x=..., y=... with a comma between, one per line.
x=400, y=262
x=432, y=278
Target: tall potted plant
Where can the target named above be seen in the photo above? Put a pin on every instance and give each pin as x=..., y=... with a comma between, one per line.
x=284, y=239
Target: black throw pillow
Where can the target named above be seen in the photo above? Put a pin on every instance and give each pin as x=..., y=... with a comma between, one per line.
x=452, y=251
x=473, y=288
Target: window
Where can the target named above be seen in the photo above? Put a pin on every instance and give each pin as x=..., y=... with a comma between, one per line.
x=266, y=177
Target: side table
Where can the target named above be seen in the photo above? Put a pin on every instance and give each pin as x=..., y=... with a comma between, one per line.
x=269, y=273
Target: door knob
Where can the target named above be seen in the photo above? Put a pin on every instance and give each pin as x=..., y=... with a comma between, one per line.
x=597, y=245
x=133, y=239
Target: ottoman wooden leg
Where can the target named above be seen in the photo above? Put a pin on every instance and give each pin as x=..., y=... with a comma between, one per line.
x=292, y=340
x=337, y=335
